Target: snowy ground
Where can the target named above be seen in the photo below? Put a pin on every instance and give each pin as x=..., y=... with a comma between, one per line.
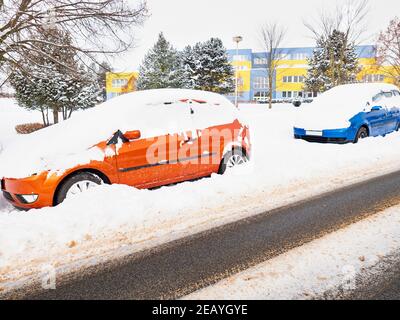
x=329, y=264
x=111, y=221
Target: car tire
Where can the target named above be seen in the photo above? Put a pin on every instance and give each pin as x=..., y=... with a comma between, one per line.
x=398, y=127
x=232, y=159
x=361, y=134
x=81, y=181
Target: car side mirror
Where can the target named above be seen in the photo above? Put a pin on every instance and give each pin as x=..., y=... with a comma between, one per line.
x=376, y=108
x=133, y=135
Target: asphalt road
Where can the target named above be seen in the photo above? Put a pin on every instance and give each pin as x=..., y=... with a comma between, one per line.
x=182, y=266
x=382, y=284
x=388, y=289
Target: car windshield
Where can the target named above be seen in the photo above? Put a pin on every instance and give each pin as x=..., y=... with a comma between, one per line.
x=381, y=95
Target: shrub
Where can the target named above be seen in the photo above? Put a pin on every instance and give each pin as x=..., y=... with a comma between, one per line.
x=28, y=128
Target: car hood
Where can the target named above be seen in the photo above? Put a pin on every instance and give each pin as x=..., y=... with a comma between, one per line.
x=314, y=118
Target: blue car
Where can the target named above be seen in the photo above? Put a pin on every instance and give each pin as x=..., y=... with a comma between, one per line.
x=350, y=112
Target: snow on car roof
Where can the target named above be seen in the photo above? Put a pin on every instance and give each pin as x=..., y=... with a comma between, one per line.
x=66, y=144
x=357, y=93
x=165, y=96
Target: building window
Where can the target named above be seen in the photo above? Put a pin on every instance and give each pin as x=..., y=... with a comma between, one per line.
x=119, y=83
x=261, y=96
x=260, y=83
x=299, y=56
x=374, y=78
x=287, y=94
x=260, y=61
x=242, y=68
x=295, y=94
x=294, y=79
x=282, y=56
x=239, y=58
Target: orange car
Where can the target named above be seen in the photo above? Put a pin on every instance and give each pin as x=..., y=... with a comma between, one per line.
x=160, y=137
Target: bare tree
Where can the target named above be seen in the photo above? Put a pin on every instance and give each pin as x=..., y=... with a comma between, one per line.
x=388, y=53
x=272, y=36
x=98, y=26
x=350, y=18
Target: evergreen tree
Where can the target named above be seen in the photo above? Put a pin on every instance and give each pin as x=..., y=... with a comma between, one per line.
x=335, y=62
x=100, y=71
x=161, y=67
x=47, y=84
x=206, y=67
x=189, y=62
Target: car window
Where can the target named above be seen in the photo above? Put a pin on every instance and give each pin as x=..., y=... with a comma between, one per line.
x=377, y=97
x=396, y=93
x=387, y=94
x=381, y=95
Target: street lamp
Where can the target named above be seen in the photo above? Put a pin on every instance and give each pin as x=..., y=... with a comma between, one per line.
x=237, y=39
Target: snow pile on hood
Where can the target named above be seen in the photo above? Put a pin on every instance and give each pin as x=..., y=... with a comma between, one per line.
x=67, y=144
x=334, y=108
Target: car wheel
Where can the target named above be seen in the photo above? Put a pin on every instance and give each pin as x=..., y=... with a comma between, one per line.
x=361, y=134
x=232, y=159
x=398, y=127
x=76, y=184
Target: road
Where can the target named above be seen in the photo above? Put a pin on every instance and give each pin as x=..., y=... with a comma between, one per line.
x=182, y=266
x=383, y=284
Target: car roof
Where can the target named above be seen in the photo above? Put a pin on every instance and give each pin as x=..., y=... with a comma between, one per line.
x=167, y=96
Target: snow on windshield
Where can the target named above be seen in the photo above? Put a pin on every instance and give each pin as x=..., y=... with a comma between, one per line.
x=154, y=112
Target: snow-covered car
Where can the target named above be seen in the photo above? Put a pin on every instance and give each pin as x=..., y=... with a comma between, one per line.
x=143, y=139
x=350, y=112
x=297, y=101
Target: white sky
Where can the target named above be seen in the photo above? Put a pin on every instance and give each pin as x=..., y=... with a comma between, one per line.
x=189, y=21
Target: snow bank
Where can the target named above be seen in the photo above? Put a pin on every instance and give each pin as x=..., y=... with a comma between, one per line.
x=153, y=112
x=334, y=108
x=115, y=220
x=330, y=263
x=10, y=116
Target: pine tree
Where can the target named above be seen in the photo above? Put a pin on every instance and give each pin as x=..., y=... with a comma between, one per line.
x=206, y=67
x=335, y=62
x=161, y=67
x=47, y=84
x=189, y=62
x=100, y=71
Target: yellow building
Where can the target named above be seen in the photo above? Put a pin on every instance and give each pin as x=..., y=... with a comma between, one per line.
x=288, y=82
x=120, y=82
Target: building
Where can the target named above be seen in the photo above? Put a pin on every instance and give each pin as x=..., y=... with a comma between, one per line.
x=291, y=71
x=288, y=82
x=120, y=83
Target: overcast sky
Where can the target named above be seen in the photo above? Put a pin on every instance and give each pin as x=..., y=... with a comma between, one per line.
x=189, y=21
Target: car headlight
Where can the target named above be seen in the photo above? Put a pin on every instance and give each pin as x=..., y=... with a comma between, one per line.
x=27, y=198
